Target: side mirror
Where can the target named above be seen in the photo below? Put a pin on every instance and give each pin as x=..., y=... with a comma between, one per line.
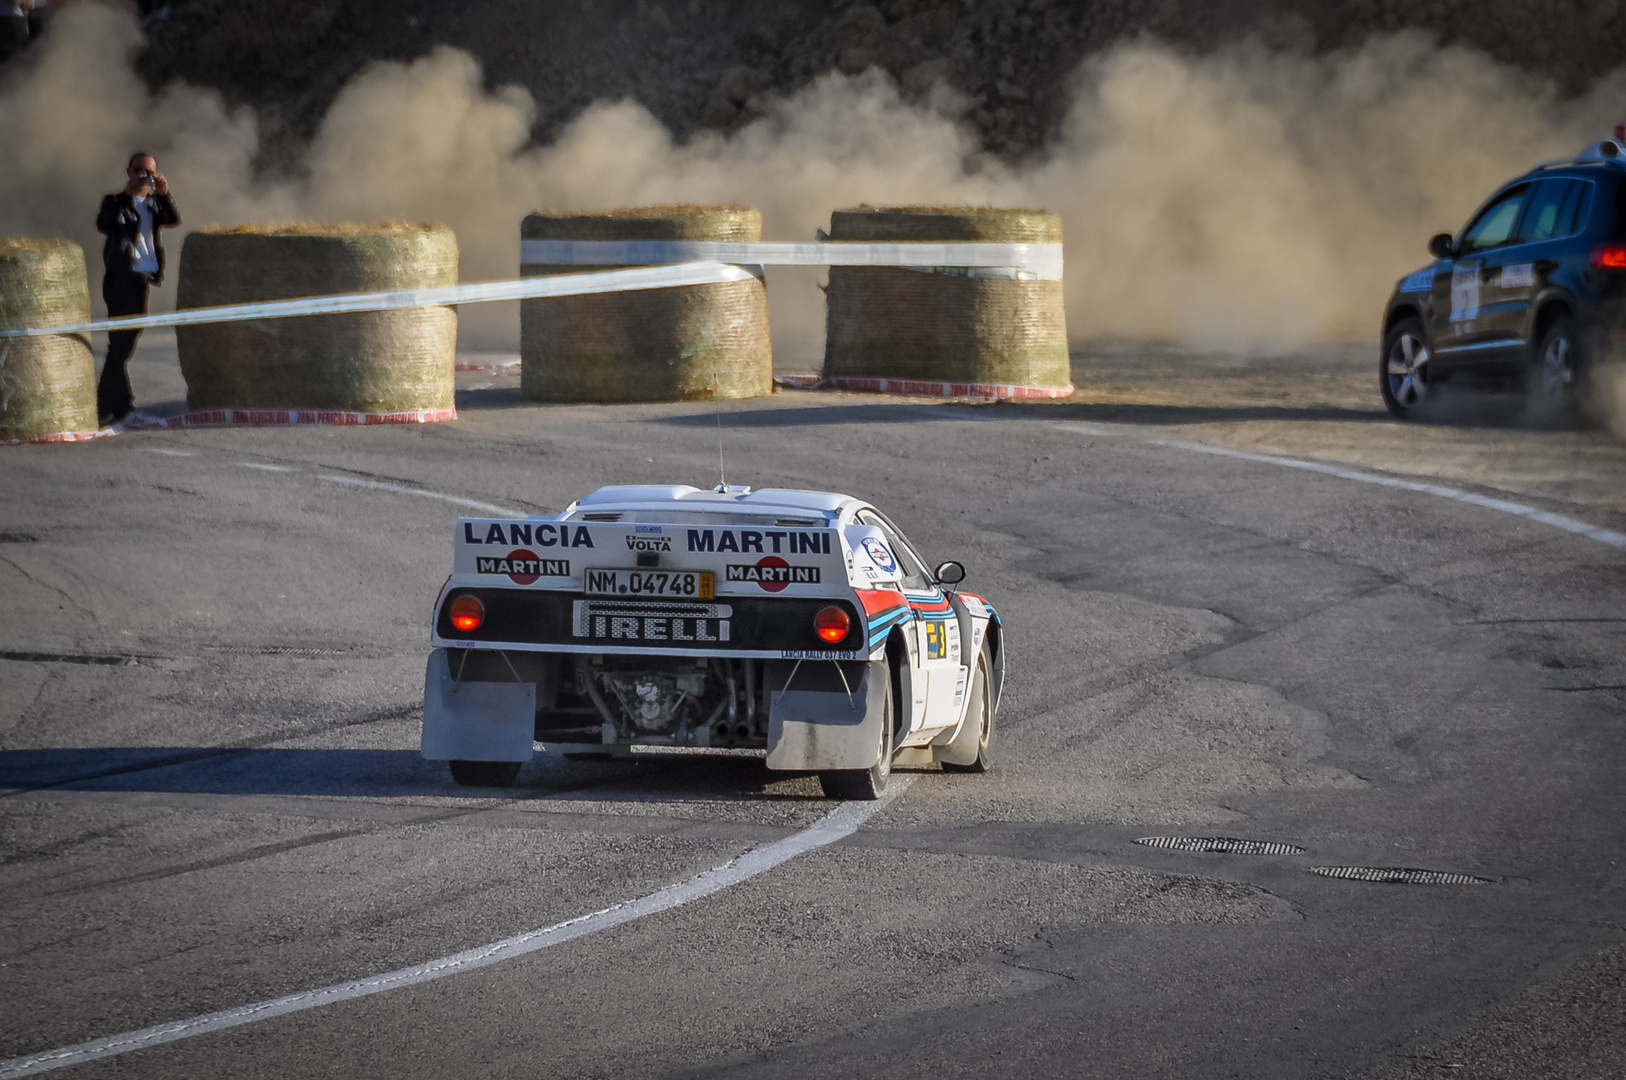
x=949, y=573
x=1441, y=247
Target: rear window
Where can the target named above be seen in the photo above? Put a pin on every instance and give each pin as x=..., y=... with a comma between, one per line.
x=1557, y=209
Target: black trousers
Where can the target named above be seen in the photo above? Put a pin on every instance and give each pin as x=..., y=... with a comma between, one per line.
x=125, y=293
x=14, y=35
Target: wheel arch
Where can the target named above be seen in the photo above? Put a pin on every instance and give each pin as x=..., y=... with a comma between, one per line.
x=1549, y=309
x=903, y=685
x=995, y=643
x=1399, y=314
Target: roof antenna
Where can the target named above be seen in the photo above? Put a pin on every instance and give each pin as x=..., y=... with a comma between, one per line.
x=722, y=487
x=717, y=404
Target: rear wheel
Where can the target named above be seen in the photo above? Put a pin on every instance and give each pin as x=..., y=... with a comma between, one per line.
x=485, y=773
x=866, y=784
x=1555, y=372
x=1403, y=377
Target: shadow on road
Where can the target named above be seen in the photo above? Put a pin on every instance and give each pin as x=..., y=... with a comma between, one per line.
x=224, y=771
x=377, y=773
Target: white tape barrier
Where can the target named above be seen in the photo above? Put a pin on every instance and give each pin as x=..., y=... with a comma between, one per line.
x=653, y=277
x=685, y=263
x=1028, y=262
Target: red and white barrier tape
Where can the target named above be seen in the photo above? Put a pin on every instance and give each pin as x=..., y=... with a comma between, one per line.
x=923, y=387
x=59, y=436
x=295, y=418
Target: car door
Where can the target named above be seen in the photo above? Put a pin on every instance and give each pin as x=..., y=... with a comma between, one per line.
x=1555, y=212
x=1466, y=321
x=936, y=629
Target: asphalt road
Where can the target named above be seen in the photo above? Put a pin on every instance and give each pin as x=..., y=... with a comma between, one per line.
x=210, y=795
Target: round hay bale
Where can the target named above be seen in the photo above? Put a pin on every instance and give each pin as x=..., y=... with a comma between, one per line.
x=945, y=326
x=47, y=384
x=685, y=344
x=365, y=362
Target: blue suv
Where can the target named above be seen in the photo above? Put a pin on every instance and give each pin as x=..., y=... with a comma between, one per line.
x=1527, y=296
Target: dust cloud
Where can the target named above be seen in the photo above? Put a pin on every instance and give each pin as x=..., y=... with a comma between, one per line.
x=1247, y=199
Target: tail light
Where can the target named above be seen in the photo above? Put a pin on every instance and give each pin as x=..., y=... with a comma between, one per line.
x=1610, y=257
x=468, y=613
x=831, y=624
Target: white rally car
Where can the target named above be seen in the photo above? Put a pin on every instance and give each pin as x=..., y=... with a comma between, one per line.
x=801, y=623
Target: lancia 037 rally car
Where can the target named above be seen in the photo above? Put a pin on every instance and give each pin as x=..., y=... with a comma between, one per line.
x=801, y=623
x=1530, y=294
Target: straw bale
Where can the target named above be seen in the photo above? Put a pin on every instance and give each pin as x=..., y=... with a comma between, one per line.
x=684, y=344
x=889, y=322
x=47, y=384
x=371, y=362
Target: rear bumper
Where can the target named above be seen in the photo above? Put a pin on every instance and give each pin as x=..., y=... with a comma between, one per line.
x=821, y=715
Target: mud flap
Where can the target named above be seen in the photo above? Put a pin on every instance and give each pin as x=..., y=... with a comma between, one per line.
x=475, y=721
x=819, y=730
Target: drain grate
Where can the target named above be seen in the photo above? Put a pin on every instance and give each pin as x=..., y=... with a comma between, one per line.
x=1399, y=875
x=275, y=650
x=1225, y=845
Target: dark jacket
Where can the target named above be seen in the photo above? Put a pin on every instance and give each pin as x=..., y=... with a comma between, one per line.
x=121, y=221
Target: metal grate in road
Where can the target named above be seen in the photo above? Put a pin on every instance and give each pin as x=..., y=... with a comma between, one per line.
x=1225, y=845
x=275, y=650
x=1399, y=875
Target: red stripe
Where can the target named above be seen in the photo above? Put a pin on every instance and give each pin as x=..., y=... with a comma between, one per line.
x=876, y=601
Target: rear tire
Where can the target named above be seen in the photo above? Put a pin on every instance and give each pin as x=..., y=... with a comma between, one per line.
x=982, y=700
x=1403, y=369
x=866, y=785
x=1554, y=376
x=485, y=773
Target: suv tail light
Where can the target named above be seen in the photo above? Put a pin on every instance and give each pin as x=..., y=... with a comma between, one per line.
x=1610, y=257
x=831, y=624
x=468, y=613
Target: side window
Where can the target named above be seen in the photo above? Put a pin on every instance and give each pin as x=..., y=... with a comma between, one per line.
x=914, y=571
x=1544, y=217
x=1493, y=227
x=1572, y=215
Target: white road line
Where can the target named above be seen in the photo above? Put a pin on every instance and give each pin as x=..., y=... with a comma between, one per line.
x=402, y=489
x=265, y=467
x=1558, y=521
x=838, y=824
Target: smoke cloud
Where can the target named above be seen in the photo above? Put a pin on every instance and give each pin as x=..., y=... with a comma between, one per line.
x=1245, y=199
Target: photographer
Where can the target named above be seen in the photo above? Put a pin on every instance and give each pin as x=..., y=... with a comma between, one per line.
x=132, y=258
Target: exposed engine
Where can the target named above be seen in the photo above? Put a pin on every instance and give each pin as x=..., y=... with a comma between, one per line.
x=705, y=702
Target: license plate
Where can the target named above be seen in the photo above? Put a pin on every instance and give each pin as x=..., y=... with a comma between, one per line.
x=667, y=584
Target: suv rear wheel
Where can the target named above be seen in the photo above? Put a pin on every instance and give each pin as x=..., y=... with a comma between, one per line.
x=1403, y=376
x=1555, y=372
